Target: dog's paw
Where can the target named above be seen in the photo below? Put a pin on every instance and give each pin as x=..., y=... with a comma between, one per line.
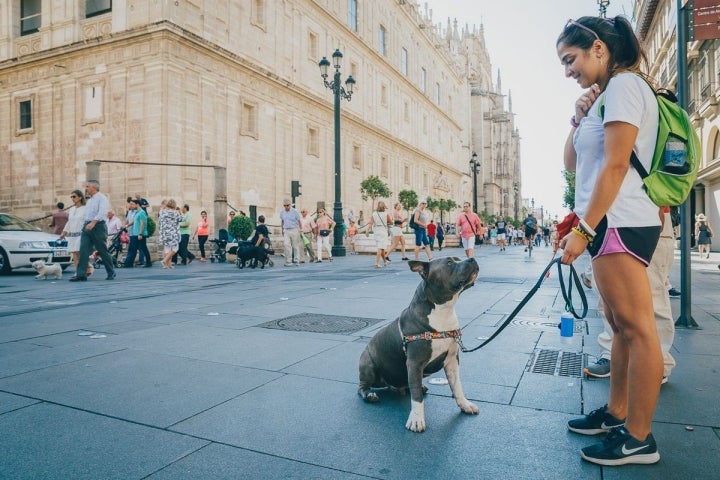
x=469, y=408
x=371, y=397
x=416, y=422
x=368, y=396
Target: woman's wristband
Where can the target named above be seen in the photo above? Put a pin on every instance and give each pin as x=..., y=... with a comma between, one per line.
x=582, y=234
x=586, y=228
x=574, y=122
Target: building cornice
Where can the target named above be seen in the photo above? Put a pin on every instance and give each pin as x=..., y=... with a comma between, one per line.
x=645, y=18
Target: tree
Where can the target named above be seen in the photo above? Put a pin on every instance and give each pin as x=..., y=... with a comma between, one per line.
x=433, y=205
x=409, y=200
x=445, y=206
x=374, y=188
x=569, y=195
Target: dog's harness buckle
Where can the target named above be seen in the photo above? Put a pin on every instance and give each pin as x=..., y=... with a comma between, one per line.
x=429, y=336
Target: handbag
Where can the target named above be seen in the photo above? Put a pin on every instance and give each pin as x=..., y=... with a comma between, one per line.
x=268, y=247
x=324, y=232
x=478, y=238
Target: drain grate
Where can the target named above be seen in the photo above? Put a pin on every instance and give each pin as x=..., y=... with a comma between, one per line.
x=318, y=323
x=557, y=363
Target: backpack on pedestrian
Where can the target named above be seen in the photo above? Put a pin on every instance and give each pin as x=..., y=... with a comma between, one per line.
x=412, y=223
x=675, y=162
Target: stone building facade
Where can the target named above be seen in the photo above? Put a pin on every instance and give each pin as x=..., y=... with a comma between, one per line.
x=214, y=102
x=657, y=29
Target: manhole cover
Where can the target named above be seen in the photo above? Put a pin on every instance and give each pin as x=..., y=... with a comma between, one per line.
x=318, y=323
x=557, y=363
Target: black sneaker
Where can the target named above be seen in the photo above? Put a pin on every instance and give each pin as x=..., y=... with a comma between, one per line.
x=596, y=422
x=673, y=293
x=621, y=448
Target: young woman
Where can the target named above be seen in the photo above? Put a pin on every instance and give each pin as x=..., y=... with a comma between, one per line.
x=202, y=231
x=324, y=225
x=398, y=238
x=619, y=225
x=379, y=223
x=703, y=234
x=73, y=227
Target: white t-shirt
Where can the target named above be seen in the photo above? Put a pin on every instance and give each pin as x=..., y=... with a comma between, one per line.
x=629, y=99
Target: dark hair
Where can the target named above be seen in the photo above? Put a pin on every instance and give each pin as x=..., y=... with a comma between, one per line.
x=80, y=195
x=617, y=33
x=186, y=207
x=60, y=205
x=261, y=219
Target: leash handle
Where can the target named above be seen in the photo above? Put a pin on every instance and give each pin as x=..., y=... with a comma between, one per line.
x=567, y=296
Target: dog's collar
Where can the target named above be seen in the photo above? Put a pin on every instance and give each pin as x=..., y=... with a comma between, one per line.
x=428, y=336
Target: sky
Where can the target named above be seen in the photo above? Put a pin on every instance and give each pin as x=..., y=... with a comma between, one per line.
x=520, y=37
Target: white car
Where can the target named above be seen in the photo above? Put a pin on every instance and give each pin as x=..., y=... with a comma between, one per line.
x=22, y=243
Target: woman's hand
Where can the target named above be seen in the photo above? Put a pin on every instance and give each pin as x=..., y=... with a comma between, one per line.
x=573, y=246
x=586, y=100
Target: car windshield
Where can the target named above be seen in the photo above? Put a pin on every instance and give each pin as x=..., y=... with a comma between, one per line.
x=12, y=223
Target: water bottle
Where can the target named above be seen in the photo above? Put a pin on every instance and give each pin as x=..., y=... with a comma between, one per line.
x=567, y=329
x=675, y=156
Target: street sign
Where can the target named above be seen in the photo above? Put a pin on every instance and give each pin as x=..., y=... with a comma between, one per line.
x=706, y=19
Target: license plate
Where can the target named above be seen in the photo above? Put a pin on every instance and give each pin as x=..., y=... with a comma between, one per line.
x=60, y=253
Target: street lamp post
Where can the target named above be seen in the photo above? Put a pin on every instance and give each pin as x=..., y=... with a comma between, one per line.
x=474, y=166
x=340, y=92
x=603, y=4
x=516, y=188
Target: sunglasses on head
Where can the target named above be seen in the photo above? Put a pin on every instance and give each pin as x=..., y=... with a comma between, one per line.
x=572, y=22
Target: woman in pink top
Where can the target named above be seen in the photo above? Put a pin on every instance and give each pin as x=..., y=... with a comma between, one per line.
x=468, y=225
x=201, y=232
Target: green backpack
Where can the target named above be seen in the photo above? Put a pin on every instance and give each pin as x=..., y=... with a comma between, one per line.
x=676, y=159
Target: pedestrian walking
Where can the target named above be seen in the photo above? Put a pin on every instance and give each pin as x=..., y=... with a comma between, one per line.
x=94, y=233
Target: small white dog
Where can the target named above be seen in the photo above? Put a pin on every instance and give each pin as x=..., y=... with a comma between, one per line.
x=44, y=270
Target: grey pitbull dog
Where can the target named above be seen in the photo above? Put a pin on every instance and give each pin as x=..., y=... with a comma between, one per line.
x=422, y=340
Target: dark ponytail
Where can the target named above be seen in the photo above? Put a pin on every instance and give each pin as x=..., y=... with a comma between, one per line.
x=617, y=33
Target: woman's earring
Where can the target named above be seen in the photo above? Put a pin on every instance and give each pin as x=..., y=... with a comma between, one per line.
x=601, y=59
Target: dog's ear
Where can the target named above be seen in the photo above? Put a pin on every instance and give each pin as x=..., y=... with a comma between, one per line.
x=420, y=267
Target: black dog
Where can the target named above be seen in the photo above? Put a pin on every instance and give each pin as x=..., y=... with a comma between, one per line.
x=422, y=340
x=249, y=254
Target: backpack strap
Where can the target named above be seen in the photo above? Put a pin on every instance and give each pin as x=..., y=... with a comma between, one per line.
x=634, y=160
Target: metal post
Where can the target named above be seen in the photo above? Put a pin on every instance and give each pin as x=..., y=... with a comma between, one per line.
x=685, y=320
x=338, y=249
x=475, y=190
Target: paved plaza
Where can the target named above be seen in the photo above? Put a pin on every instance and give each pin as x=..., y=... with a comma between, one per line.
x=211, y=372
